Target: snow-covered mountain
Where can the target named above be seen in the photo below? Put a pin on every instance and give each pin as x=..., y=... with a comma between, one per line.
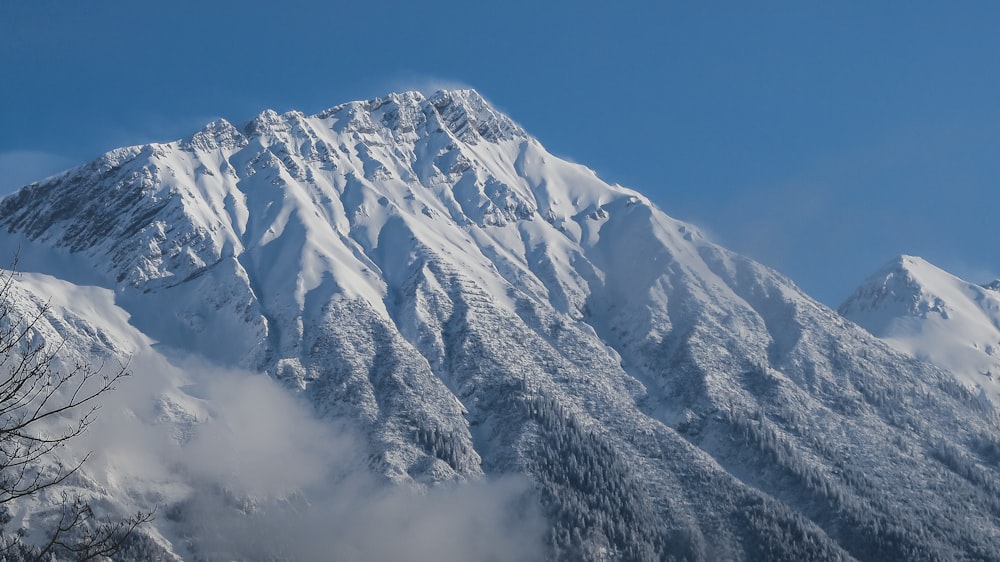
x=426, y=275
x=933, y=315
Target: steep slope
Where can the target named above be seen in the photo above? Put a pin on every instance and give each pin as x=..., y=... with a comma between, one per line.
x=425, y=271
x=930, y=314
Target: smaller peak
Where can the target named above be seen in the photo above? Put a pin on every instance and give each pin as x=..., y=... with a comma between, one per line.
x=407, y=96
x=270, y=122
x=921, y=277
x=470, y=94
x=262, y=123
x=890, y=283
x=218, y=134
x=293, y=115
x=268, y=115
x=408, y=99
x=913, y=283
x=219, y=124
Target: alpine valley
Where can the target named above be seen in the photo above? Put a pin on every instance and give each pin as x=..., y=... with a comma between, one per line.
x=474, y=350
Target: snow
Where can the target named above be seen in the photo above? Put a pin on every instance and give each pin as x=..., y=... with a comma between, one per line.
x=91, y=304
x=935, y=316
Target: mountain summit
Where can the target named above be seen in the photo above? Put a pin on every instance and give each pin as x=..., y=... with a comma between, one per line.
x=424, y=271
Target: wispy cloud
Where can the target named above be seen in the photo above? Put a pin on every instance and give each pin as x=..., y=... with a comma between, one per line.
x=246, y=471
x=21, y=167
x=425, y=84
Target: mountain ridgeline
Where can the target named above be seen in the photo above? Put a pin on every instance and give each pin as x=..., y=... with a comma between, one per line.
x=423, y=270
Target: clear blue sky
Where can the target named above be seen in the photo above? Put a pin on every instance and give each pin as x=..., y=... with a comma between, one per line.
x=821, y=138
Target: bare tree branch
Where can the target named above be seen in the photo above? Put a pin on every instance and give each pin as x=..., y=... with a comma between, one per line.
x=42, y=407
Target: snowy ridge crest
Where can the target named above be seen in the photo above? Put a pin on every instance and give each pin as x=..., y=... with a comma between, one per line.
x=463, y=113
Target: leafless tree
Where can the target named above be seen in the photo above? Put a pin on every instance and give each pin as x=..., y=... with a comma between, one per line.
x=43, y=406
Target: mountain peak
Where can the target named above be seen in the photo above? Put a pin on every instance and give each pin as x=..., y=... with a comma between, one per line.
x=218, y=134
x=468, y=115
x=906, y=285
x=341, y=173
x=464, y=113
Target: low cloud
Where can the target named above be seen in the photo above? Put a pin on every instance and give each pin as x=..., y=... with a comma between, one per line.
x=259, y=440
x=359, y=520
x=240, y=468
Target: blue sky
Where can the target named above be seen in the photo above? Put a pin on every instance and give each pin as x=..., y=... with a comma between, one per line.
x=820, y=138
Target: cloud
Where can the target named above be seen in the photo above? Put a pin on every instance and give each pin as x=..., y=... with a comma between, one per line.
x=241, y=469
x=259, y=441
x=21, y=167
x=359, y=520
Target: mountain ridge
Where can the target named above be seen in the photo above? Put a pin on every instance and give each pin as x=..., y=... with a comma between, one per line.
x=474, y=306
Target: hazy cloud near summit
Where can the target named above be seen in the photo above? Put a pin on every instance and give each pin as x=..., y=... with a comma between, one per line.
x=424, y=84
x=21, y=167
